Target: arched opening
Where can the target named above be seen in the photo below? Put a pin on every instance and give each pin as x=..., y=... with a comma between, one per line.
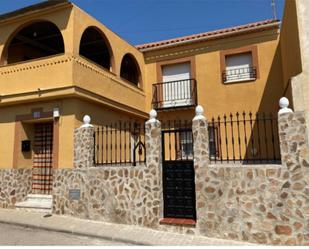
x=130, y=69
x=94, y=46
x=36, y=40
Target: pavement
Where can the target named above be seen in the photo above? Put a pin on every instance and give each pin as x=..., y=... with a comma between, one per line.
x=120, y=233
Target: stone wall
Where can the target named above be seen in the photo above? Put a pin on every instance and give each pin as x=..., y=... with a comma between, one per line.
x=266, y=204
x=121, y=194
x=15, y=184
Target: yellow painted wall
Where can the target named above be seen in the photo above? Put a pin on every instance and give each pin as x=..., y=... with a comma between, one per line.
x=7, y=133
x=217, y=98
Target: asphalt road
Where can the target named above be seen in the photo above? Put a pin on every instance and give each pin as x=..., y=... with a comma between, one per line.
x=23, y=236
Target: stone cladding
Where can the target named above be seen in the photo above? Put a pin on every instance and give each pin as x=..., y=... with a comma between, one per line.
x=15, y=184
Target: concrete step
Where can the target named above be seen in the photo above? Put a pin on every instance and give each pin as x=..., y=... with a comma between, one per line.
x=38, y=197
x=36, y=203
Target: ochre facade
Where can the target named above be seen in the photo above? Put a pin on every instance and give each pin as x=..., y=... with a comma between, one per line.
x=31, y=90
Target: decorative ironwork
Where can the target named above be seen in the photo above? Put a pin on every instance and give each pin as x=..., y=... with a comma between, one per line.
x=178, y=170
x=244, y=138
x=174, y=94
x=239, y=74
x=120, y=143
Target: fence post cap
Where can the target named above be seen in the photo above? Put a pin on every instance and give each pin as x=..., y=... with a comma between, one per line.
x=199, y=112
x=153, y=114
x=87, y=120
x=284, y=105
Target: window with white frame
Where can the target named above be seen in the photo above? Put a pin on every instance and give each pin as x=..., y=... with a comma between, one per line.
x=239, y=67
x=177, y=85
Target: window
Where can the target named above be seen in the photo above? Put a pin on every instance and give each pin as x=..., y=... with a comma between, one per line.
x=176, y=85
x=213, y=142
x=186, y=142
x=239, y=64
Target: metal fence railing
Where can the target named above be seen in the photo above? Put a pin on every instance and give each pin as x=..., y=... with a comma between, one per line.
x=245, y=138
x=245, y=73
x=174, y=94
x=120, y=143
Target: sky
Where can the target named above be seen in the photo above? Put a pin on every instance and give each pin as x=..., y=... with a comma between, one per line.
x=142, y=21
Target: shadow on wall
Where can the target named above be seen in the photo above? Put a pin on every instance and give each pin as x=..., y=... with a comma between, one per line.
x=264, y=139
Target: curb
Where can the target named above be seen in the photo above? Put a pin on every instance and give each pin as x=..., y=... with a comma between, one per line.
x=73, y=232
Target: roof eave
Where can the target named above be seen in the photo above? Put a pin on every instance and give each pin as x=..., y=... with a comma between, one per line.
x=217, y=36
x=37, y=8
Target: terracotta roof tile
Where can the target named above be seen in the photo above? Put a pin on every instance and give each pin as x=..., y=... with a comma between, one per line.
x=192, y=38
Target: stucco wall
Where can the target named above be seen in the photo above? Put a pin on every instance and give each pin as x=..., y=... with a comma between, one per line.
x=213, y=95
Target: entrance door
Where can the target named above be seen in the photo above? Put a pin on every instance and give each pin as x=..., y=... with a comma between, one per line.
x=43, y=153
x=178, y=173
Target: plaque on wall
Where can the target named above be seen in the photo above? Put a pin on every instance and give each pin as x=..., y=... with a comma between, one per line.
x=74, y=194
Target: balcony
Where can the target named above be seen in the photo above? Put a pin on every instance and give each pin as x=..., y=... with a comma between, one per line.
x=174, y=94
x=239, y=74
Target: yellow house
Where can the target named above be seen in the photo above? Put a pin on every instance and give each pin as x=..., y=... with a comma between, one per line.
x=58, y=63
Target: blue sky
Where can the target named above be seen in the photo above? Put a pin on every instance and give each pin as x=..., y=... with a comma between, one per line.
x=141, y=21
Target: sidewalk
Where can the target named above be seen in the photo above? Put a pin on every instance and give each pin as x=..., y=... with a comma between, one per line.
x=110, y=231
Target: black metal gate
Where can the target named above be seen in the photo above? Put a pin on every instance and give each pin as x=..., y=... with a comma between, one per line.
x=178, y=171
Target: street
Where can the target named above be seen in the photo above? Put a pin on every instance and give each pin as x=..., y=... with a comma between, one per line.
x=18, y=235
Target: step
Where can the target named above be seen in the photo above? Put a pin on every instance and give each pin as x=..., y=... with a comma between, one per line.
x=36, y=203
x=39, y=197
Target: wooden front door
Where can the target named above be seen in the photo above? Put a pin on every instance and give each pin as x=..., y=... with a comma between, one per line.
x=43, y=155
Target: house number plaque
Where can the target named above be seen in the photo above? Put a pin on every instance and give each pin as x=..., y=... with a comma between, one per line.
x=74, y=194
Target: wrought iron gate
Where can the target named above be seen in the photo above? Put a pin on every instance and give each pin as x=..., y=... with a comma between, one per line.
x=178, y=171
x=42, y=177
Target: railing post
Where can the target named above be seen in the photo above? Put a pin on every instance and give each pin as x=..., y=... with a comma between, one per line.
x=84, y=145
x=153, y=140
x=201, y=161
x=154, y=160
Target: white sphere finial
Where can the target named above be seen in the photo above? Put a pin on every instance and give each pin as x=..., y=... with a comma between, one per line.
x=153, y=114
x=199, y=110
x=86, y=120
x=284, y=105
x=284, y=102
x=199, y=113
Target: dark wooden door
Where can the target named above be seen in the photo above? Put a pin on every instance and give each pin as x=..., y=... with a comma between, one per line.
x=42, y=177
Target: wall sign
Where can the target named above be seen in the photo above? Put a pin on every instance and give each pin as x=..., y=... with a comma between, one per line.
x=74, y=194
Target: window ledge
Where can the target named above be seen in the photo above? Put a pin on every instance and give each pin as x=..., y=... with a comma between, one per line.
x=178, y=221
x=239, y=80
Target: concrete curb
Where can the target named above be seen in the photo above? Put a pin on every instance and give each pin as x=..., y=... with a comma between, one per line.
x=130, y=234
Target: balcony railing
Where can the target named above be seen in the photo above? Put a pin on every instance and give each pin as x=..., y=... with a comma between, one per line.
x=174, y=94
x=239, y=74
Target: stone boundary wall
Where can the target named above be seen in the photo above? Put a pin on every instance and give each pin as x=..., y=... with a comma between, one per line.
x=15, y=184
x=266, y=204
x=121, y=194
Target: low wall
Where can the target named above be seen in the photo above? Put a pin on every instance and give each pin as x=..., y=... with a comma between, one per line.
x=263, y=204
x=15, y=184
x=123, y=194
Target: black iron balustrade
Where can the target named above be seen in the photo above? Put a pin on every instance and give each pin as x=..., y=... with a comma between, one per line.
x=239, y=74
x=174, y=94
x=121, y=143
x=244, y=138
